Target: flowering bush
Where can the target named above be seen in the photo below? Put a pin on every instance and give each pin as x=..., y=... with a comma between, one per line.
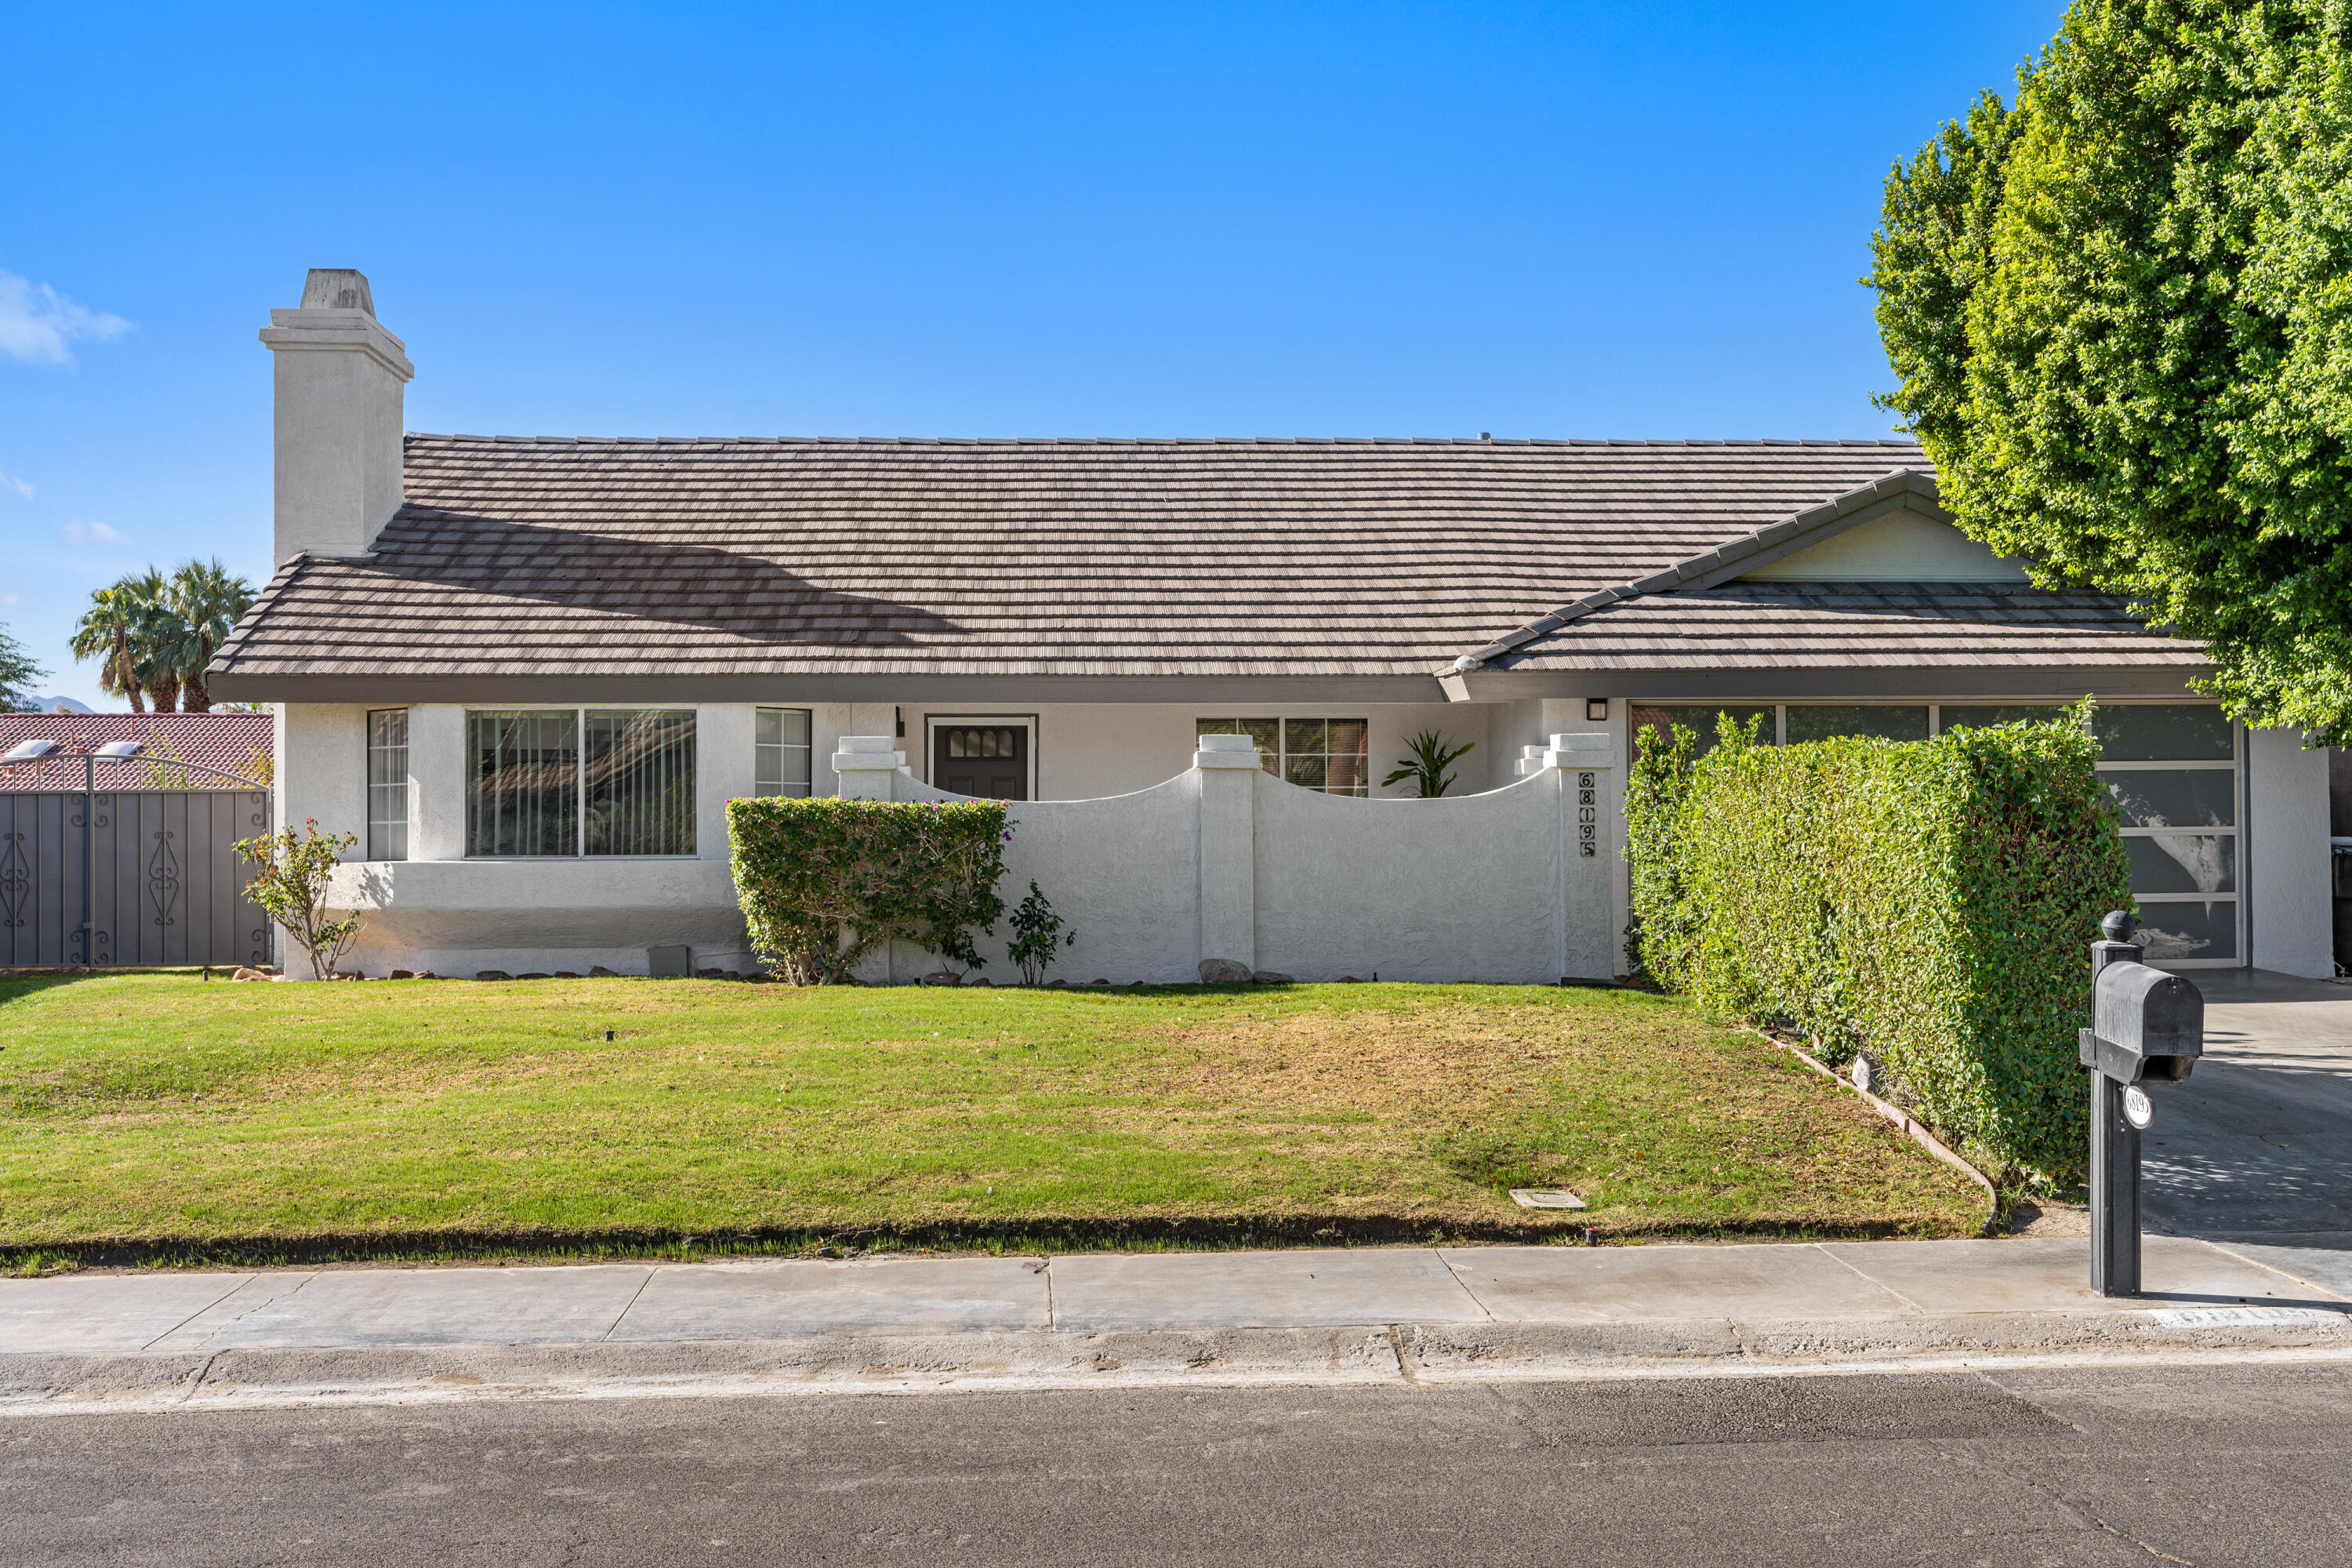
x=823, y=880
x=292, y=886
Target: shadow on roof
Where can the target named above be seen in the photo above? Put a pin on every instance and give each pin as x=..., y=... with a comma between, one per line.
x=740, y=593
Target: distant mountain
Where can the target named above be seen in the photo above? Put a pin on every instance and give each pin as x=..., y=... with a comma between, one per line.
x=58, y=705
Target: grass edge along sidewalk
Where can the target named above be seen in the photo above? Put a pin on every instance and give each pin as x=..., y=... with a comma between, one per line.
x=149, y=1117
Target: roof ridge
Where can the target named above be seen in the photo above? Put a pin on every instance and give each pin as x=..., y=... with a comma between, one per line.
x=1699, y=565
x=1830, y=443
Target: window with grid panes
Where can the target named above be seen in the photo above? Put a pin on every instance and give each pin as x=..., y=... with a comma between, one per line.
x=784, y=759
x=387, y=783
x=1332, y=755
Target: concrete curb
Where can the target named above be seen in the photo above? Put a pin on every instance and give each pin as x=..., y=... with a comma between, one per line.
x=913, y=1363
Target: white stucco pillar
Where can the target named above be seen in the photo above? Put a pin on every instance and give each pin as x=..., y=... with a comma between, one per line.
x=1226, y=767
x=437, y=782
x=1585, y=765
x=868, y=767
x=2290, y=912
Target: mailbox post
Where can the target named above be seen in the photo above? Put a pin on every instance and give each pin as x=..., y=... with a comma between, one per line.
x=2146, y=1026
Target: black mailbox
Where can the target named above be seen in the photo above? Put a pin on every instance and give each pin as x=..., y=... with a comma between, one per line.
x=2146, y=1026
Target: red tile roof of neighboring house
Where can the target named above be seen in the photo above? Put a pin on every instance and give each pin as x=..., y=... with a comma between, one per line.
x=225, y=740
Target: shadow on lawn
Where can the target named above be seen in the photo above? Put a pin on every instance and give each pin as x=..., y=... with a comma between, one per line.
x=1005, y=1237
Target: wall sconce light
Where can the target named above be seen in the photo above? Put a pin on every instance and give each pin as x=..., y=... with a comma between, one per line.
x=1596, y=708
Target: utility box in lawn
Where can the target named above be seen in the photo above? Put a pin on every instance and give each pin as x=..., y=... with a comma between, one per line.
x=2146, y=1026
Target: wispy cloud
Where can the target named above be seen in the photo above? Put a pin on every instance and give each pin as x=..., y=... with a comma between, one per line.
x=36, y=322
x=91, y=532
x=19, y=486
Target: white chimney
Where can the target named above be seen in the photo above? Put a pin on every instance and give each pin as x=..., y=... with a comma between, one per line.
x=339, y=419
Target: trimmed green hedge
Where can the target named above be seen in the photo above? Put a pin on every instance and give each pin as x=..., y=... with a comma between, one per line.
x=1925, y=903
x=823, y=880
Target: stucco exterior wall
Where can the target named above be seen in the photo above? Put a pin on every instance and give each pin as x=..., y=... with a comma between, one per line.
x=1108, y=860
x=458, y=917
x=1122, y=872
x=1423, y=890
x=1087, y=750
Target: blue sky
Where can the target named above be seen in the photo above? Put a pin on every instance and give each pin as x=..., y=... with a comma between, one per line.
x=1096, y=219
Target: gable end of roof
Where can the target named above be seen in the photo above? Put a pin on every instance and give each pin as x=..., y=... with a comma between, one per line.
x=1908, y=487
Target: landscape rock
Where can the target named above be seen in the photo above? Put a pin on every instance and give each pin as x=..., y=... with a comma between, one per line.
x=941, y=977
x=566, y=974
x=1220, y=971
x=492, y=974
x=1273, y=977
x=345, y=974
x=426, y=975
x=598, y=971
x=1351, y=980
x=404, y=975
x=244, y=973
x=535, y=974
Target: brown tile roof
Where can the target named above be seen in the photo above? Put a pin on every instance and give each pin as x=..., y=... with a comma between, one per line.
x=615, y=558
x=1007, y=558
x=1800, y=626
x=225, y=740
x=1695, y=615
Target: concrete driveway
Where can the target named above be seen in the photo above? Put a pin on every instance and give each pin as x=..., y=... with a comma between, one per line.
x=2256, y=1148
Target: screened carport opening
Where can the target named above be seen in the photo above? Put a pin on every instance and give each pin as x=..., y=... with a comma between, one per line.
x=2173, y=770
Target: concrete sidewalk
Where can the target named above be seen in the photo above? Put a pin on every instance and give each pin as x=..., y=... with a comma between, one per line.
x=159, y=1338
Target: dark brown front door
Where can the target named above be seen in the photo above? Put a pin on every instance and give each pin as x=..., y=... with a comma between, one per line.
x=987, y=760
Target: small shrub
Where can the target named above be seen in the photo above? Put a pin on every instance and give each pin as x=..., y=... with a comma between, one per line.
x=1429, y=758
x=1036, y=936
x=1928, y=902
x=823, y=880
x=291, y=886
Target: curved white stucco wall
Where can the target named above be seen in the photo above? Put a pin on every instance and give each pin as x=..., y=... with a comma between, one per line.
x=1459, y=889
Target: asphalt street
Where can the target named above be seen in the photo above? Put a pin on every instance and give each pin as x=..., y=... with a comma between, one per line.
x=2205, y=1464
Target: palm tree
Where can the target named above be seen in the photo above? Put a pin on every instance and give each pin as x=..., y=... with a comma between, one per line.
x=159, y=637
x=105, y=632
x=210, y=602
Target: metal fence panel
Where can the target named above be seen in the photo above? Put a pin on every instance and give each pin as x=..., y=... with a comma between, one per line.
x=162, y=865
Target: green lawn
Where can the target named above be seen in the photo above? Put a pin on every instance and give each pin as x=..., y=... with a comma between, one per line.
x=444, y=1116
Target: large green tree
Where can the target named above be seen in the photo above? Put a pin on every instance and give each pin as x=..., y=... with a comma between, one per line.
x=17, y=673
x=2121, y=315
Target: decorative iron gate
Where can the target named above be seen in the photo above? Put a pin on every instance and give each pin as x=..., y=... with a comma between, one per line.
x=121, y=878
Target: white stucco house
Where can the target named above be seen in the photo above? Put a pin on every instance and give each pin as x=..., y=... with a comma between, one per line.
x=529, y=673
